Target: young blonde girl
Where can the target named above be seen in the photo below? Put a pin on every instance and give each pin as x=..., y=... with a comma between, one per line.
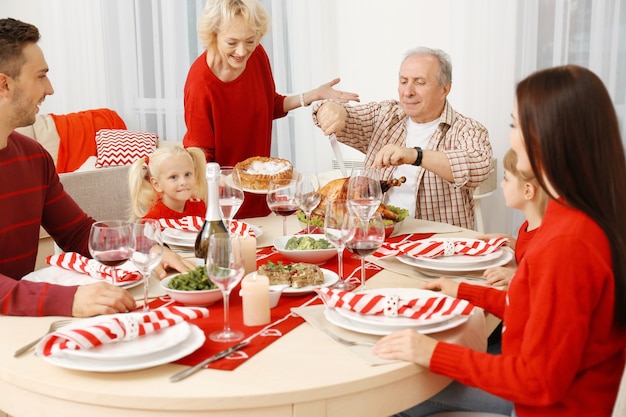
x=521, y=191
x=170, y=183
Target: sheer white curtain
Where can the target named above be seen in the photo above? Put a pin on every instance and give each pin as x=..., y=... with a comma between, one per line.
x=152, y=45
x=590, y=33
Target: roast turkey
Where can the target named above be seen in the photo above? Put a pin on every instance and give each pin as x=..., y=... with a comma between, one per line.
x=337, y=189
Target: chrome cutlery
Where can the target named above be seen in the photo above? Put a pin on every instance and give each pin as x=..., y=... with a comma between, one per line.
x=54, y=326
x=185, y=373
x=337, y=151
x=347, y=342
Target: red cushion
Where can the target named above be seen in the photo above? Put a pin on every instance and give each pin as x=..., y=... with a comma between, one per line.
x=123, y=147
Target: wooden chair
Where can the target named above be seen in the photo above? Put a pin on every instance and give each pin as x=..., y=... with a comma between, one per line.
x=484, y=190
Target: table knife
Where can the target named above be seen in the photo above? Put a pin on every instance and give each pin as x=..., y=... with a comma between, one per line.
x=184, y=374
x=335, y=145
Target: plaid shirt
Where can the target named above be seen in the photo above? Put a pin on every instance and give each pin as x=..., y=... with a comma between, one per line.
x=465, y=141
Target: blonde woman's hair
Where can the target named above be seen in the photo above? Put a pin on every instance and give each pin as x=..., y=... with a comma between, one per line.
x=143, y=195
x=510, y=164
x=218, y=13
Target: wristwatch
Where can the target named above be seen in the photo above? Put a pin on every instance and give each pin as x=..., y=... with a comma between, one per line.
x=420, y=154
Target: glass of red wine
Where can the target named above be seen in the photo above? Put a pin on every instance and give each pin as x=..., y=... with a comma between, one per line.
x=281, y=199
x=365, y=238
x=110, y=242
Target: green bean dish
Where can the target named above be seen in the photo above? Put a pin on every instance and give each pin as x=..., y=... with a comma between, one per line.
x=196, y=280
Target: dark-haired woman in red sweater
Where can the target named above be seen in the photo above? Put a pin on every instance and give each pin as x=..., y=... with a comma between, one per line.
x=564, y=313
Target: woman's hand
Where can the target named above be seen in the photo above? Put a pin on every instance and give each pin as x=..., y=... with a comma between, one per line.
x=327, y=92
x=510, y=239
x=406, y=345
x=172, y=260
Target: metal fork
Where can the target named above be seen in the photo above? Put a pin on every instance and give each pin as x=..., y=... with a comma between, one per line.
x=55, y=325
x=347, y=342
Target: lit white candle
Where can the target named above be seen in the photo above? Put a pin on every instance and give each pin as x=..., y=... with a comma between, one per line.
x=255, y=291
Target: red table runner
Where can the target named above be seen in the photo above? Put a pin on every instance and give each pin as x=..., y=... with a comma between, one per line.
x=283, y=321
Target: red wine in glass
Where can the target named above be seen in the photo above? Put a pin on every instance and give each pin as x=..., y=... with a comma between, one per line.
x=281, y=199
x=366, y=237
x=363, y=248
x=284, y=210
x=112, y=257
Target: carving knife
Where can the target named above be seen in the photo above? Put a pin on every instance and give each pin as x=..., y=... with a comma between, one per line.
x=335, y=145
x=184, y=374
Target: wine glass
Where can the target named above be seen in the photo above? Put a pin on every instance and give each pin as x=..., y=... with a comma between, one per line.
x=337, y=232
x=281, y=199
x=230, y=194
x=364, y=194
x=366, y=237
x=147, y=243
x=308, y=195
x=225, y=267
x=110, y=243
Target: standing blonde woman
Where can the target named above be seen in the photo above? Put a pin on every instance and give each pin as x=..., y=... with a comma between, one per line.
x=564, y=313
x=230, y=96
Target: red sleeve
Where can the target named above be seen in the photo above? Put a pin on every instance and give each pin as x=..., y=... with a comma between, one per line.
x=27, y=298
x=490, y=299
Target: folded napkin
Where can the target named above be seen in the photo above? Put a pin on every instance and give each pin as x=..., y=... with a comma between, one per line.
x=423, y=308
x=76, y=262
x=429, y=248
x=194, y=224
x=190, y=223
x=116, y=328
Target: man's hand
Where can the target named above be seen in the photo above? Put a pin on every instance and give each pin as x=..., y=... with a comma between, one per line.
x=331, y=117
x=394, y=155
x=174, y=261
x=101, y=298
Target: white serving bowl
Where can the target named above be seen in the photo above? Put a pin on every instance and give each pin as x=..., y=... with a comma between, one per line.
x=314, y=256
x=191, y=298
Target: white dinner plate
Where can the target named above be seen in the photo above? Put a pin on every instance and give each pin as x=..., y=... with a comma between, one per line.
x=504, y=257
x=178, y=236
x=191, y=344
x=62, y=276
x=229, y=181
x=183, y=238
x=330, y=278
x=144, y=345
x=337, y=319
x=397, y=323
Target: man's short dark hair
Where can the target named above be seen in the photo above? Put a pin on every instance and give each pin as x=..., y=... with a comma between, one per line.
x=14, y=36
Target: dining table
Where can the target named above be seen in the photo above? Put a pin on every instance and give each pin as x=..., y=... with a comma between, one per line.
x=302, y=372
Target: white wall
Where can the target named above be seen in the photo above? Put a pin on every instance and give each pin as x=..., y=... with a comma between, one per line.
x=361, y=41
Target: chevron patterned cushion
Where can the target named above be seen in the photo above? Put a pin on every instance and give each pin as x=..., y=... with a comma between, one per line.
x=123, y=147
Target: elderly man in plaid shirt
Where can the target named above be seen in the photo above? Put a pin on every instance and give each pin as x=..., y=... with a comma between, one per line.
x=443, y=154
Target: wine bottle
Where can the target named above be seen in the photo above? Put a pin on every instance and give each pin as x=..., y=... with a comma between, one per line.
x=212, y=220
x=385, y=185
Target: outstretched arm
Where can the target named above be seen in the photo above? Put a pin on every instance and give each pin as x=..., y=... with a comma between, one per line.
x=323, y=92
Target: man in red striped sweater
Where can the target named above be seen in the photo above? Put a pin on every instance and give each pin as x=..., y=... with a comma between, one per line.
x=31, y=195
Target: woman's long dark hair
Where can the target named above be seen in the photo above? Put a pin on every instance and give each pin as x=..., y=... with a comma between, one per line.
x=572, y=137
